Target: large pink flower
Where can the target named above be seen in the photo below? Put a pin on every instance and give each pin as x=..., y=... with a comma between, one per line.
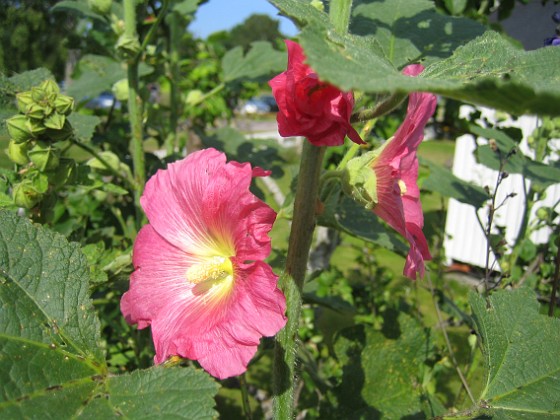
x=200, y=281
x=396, y=170
x=309, y=107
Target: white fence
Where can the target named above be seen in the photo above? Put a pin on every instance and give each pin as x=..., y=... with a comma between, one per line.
x=465, y=240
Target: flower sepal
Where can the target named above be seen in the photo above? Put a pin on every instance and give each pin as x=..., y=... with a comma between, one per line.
x=359, y=181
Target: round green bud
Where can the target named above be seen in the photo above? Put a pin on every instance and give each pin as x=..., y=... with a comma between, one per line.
x=101, y=7
x=120, y=90
x=26, y=195
x=17, y=152
x=543, y=213
x=18, y=128
x=44, y=156
x=64, y=104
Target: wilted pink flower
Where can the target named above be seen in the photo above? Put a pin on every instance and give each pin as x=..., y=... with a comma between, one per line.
x=396, y=170
x=309, y=107
x=200, y=281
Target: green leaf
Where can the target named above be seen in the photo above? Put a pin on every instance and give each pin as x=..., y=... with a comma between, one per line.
x=78, y=7
x=84, y=126
x=383, y=370
x=442, y=181
x=186, y=7
x=343, y=213
x=515, y=163
x=412, y=30
x=260, y=61
x=26, y=80
x=522, y=349
x=488, y=70
x=51, y=363
x=97, y=74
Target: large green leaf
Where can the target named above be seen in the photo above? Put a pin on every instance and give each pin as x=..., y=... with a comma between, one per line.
x=343, y=213
x=522, y=350
x=51, y=363
x=412, y=30
x=515, y=163
x=488, y=70
x=260, y=61
x=442, y=180
x=97, y=74
x=383, y=370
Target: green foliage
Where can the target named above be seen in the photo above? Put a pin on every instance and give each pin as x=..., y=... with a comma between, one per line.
x=411, y=30
x=385, y=371
x=442, y=181
x=256, y=28
x=486, y=71
x=51, y=361
x=260, y=61
x=522, y=348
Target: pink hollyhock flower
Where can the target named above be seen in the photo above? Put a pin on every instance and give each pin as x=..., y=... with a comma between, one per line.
x=396, y=171
x=309, y=107
x=199, y=278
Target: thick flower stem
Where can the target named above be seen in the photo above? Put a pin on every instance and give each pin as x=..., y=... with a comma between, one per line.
x=339, y=14
x=291, y=281
x=135, y=111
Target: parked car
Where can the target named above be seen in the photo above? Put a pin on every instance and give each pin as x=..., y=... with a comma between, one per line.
x=259, y=105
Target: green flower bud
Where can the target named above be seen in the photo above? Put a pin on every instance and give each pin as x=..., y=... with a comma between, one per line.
x=63, y=134
x=17, y=152
x=35, y=111
x=318, y=4
x=543, y=213
x=110, y=158
x=44, y=156
x=194, y=97
x=24, y=100
x=18, y=128
x=359, y=180
x=120, y=90
x=26, y=195
x=35, y=127
x=55, y=121
x=63, y=104
x=101, y=7
x=64, y=174
x=128, y=46
x=50, y=88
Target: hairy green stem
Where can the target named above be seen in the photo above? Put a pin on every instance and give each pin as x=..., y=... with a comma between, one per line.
x=339, y=14
x=174, y=75
x=292, y=279
x=135, y=111
x=245, y=397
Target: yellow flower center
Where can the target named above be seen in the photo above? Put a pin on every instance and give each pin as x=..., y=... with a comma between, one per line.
x=215, y=269
x=402, y=187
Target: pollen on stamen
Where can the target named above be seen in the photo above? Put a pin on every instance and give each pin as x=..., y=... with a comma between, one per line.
x=214, y=269
x=402, y=187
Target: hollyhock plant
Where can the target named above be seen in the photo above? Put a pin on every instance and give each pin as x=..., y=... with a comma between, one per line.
x=390, y=189
x=311, y=108
x=199, y=277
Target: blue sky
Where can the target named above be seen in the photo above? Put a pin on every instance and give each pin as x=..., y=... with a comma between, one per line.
x=225, y=14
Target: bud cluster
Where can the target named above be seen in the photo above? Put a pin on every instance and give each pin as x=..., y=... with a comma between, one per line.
x=36, y=134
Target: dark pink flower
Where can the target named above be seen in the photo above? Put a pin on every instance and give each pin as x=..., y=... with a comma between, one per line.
x=396, y=171
x=309, y=107
x=199, y=278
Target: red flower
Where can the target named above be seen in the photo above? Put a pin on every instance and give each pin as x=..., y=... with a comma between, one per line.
x=396, y=172
x=309, y=107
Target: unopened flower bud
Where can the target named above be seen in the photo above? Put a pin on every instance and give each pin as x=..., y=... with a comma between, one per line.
x=128, y=46
x=194, y=97
x=18, y=128
x=55, y=121
x=101, y=7
x=120, y=90
x=44, y=156
x=17, y=152
x=50, y=87
x=35, y=111
x=64, y=174
x=359, y=180
x=64, y=104
x=24, y=100
x=543, y=213
x=26, y=195
x=60, y=135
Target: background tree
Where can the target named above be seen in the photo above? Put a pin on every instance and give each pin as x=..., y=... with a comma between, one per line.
x=32, y=37
x=256, y=27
